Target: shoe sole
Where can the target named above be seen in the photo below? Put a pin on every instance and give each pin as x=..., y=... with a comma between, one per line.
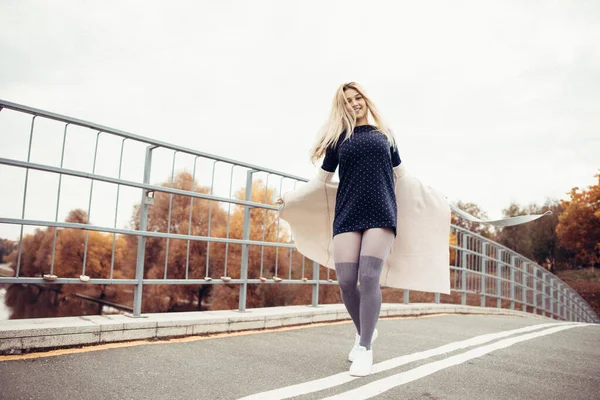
x=359, y=375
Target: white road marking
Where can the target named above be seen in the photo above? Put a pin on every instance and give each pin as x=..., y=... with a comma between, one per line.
x=383, y=385
x=344, y=377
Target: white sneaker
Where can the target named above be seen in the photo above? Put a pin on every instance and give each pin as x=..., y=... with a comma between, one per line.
x=363, y=361
x=357, y=344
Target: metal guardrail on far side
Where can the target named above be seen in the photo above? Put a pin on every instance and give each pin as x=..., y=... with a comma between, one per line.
x=244, y=245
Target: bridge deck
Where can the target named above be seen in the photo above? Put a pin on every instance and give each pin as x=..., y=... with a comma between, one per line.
x=434, y=357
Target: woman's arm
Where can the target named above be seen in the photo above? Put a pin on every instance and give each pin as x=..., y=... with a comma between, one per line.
x=395, y=156
x=331, y=160
x=330, y=163
x=325, y=173
x=395, y=162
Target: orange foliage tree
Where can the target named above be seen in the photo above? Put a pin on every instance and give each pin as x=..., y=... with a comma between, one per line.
x=6, y=247
x=171, y=259
x=263, y=261
x=29, y=301
x=213, y=259
x=578, y=227
x=168, y=258
x=473, y=209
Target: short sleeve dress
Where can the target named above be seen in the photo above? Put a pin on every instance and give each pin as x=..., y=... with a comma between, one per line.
x=366, y=197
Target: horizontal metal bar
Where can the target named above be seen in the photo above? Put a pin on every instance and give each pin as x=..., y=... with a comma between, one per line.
x=479, y=273
x=582, y=306
x=59, y=281
x=86, y=124
x=577, y=302
x=222, y=199
x=217, y=281
x=475, y=253
x=490, y=258
x=489, y=241
x=503, y=263
x=72, y=225
x=64, y=171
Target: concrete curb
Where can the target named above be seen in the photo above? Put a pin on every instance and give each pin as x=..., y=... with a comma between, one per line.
x=18, y=336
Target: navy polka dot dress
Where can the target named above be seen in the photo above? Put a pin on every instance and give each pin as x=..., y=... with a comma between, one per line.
x=366, y=197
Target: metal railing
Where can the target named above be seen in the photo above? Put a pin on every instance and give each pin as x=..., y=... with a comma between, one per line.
x=502, y=277
x=479, y=267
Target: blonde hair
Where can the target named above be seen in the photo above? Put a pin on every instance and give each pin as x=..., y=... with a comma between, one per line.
x=340, y=121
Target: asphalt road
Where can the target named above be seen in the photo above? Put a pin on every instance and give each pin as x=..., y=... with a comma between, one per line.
x=437, y=357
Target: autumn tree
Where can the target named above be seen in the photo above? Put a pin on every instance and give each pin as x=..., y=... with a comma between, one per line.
x=473, y=209
x=578, y=227
x=518, y=237
x=536, y=240
x=169, y=261
x=29, y=301
x=168, y=258
x=6, y=247
x=545, y=249
x=263, y=261
x=217, y=259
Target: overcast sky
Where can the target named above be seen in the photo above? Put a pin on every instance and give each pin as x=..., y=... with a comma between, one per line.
x=490, y=101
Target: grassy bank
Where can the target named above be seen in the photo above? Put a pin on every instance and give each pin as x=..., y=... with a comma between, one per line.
x=586, y=282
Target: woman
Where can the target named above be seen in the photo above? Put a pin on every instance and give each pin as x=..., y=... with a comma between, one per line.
x=364, y=225
x=383, y=226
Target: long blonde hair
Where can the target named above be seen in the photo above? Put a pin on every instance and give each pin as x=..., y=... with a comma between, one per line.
x=340, y=121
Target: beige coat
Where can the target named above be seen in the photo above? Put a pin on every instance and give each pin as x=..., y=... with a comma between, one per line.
x=419, y=259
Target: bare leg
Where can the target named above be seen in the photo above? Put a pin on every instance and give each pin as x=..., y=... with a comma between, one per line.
x=346, y=251
x=375, y=247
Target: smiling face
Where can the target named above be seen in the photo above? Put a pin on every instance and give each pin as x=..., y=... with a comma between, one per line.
x=356, y=104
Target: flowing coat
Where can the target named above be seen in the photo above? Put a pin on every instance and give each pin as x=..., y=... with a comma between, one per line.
x=419, y=258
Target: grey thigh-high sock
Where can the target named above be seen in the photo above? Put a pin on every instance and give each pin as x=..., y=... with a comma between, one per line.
x=370, y=297
x=347, y=276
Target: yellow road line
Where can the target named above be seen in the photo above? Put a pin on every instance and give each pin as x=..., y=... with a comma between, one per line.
x=106, y=346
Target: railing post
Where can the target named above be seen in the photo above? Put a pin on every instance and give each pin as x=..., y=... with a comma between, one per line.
x=512, y=282
x=569, y=306
x=464, y=245
x=406, y=296
x=246, y=236
x=141, y=250
x=566, y=303
x=559, y=312
x=552, y=293
x=563, y=302
x=544, y=310
x=561, y=299
x=535, y=289
x=499, y=279
x=437, y=298
x=483, y=272
x=315, y=289
x=572, y=311
x=524, y=285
